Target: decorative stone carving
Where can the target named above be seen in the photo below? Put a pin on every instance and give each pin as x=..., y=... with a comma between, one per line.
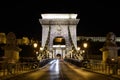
x=11, y=49
x=110, y=49
x=59, y=26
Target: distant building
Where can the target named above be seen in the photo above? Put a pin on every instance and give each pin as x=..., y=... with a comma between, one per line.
x=100, y=39
x=26, y=41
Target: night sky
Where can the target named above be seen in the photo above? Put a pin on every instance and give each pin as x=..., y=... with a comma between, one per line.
x=96, y=18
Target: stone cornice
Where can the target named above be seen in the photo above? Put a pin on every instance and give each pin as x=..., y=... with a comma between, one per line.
x=59, y=21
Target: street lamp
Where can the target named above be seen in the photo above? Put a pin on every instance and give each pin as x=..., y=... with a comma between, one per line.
x=41, y=49
x=35, y=45
x=78, y=49
x=85, y=45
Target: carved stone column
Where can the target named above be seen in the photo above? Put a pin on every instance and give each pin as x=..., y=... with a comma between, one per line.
x=11, y=49
x=110, y=48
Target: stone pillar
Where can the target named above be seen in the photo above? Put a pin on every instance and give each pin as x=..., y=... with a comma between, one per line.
x=110, y=48
x=11, y=49
x=109, y=53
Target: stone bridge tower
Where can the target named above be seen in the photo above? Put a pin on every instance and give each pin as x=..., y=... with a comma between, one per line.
x=59, y=25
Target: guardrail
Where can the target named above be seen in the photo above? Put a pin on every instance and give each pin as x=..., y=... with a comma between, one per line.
x=97, y=66
x=13, y=69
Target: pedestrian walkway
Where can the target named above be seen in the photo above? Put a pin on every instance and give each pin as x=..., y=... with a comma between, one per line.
x=98, y=70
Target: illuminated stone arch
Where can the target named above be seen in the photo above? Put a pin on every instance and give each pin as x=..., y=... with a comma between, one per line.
x=55, y=25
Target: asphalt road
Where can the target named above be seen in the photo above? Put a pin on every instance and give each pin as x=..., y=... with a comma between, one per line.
x=60, y=70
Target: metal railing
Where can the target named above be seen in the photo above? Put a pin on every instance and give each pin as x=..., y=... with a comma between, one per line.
x=109, y=69
x=7, y=70
x=97, y=66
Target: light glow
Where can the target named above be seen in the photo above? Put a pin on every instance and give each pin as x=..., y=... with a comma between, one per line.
x=41, y=48
x=78, y=48
x=55, y=66
x=58, y=40
x=59, y=16
x=59, y=46
x=35, y=45
x=85, y=45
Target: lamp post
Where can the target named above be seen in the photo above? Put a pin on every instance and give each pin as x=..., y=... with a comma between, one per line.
x=41, y=49
x=78, y=49
x=35, y=45
x=85, y=45
x=86, y=62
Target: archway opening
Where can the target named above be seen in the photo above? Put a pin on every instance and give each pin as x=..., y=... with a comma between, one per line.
x=59, y=41
x=58, y=56
x=59, y=46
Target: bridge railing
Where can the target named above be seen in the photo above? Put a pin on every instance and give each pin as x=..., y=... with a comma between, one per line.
x=97, y=66
x=105, y=68
x=7, y=70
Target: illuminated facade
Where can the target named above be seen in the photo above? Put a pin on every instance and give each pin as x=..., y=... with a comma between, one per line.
x=100, y=39
x=61, y=26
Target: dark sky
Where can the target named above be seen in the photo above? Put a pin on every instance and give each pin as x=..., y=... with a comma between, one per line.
x=97, y=18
